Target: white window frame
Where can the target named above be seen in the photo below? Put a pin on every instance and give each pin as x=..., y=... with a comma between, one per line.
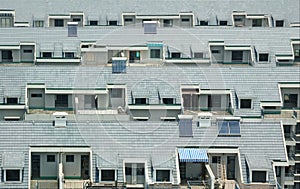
x=20, y=172
x=163, y=169
x=267, y=175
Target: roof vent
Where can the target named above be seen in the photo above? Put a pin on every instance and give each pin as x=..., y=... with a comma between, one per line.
x=204, y=119
x=150, y=27
x=72, y=29
x=60, y=119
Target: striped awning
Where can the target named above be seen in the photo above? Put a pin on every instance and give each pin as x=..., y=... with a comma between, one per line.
x=192, y=155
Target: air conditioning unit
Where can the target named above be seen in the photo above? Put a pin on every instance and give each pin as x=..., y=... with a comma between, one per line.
x=60, y=119
x=204, y=119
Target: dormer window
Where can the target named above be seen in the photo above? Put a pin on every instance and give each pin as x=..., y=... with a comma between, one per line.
x=203, y=23
x=46, y=54
x=113, y=23
x=257, y=23
x=58, y=23
x=176, y=55
x=279, y=23
x=168, y=101
x=12, y=101
x=259, y=176
x=263, y=57
x=69, y=54
x=223, y=23
x=246, y=103
x=140, y=101
x=93, y=22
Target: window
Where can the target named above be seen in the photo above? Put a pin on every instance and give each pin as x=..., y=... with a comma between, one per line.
x=50, y=158
x=256, y=22
x=215, y=51
x=27, y=51
x=90, y=102
x=237, y=56
x=154, y=53
x=11, y=101
x=238, y=19
x=70, y=158
x=107, y=175
x=128, y=20
x=290, y=100
x=163, y=175
x=46, y=54
x=7, y=56
x=38, y=23
x=140, y=170
x=279, y=23
x=176, y=55
x=203, y=23
x=140, y=101
x=116, y=93
x=168, y=23
x=245, y=103
x=12, y=175
x=59, y=23
x=61, y=101
x=6, y=22
x=112, y=23
x=297, y=54
x=69, y=54
x=223, y=23
x=76, y=19
x=263, y=57
x=134, y=56
x=231, y=127
x=168, y=101
x=198, y=55
x=216, y=159
x=93, y=22
x=185, y=128
x=128, y=169
x=259, y=176
x=185, y=20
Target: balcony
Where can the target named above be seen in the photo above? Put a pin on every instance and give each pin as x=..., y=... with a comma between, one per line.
x=290, y=139
x=292, y=158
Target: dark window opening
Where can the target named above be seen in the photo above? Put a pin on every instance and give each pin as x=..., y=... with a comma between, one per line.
x=128, y=20
x=70, y=158
x=163, y=176
x=140, y=170
x=107, y=175
x=155, y=53
x=12, y=101
x=215, y=159
x=93, y=23
x=290, y=100
x=13, y=175
x=203, y=23
x=237, y=56
x=168, y=101
x=140, y=101
x=27, y=51
x=223, y=23
x=59, y=23
x=215, y=51
x=76, y=20
x=84, y=46
x=112, y=23
x=128, y=169
x=168, y=23
x=246, y=103
x=238, y=19
x=7, y=56
x=259, y=176
x=297, y=54
x=256, y=22
x=50, y=158
x=61, y=101
x=263, y=57
x=176, y=55
x=279, y=23
x=185, y=20
x=134, y=56
x=69, y=55
x=46, y=54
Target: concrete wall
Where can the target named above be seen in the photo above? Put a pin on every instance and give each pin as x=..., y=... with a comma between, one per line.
x=36, y=102
x=48, y=169
x=217, y=57
x=72, y=168
x=27, y=57
x=95, y=58
x=103, y=101
x=11, y=113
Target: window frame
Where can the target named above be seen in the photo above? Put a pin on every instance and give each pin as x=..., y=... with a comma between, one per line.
x=245, y=99
x=49, y=158
x=11, y=100
x=72, y=160
x=266, y=178
x=12, y=181
x=262, y=56
x=101, y=174
x=279, y=21
x=154, y=53
x=161, y=181
x=38, y=23
x=59, y=23
x=237, y=56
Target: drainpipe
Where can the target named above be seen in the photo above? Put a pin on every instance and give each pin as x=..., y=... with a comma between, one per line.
x=60, y=176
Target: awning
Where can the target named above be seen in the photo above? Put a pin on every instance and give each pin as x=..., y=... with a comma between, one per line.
x=192, y=155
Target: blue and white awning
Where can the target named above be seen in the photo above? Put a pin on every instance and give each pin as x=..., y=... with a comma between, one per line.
x=192, y=155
